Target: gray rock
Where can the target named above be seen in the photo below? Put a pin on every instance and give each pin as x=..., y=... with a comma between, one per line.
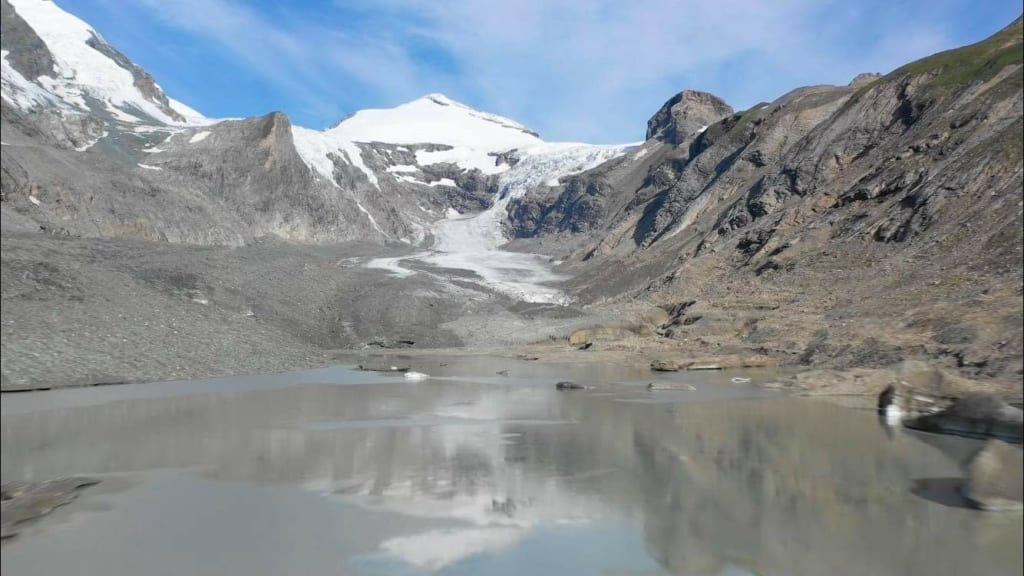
x=684, y=114
x=27, y=52
x=683, y=387
x=665, y=366
x=974, y=415
x=24, y=501
x=995, y=477
x=863, y=79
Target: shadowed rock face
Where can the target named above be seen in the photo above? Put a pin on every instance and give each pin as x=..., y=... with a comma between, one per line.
x=684, y=114
x=27, y=53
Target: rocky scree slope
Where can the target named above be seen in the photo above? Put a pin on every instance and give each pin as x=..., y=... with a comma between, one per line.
x=837, y=225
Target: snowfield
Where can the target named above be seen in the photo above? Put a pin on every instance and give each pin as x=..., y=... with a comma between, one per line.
x=83, y=72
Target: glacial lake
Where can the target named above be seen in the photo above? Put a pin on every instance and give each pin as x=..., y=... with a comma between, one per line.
x=338, y=471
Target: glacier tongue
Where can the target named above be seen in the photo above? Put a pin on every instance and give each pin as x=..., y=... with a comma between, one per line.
x=473, y=242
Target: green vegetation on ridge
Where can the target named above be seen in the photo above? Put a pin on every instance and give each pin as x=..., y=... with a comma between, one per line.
x=971, y=63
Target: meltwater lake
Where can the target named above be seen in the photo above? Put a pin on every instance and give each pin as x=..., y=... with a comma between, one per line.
x=339, y=471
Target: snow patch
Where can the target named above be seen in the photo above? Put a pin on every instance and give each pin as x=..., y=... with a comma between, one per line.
x=18, y=91
x=199, y=137
x=403, y=168
x=148, y=167
x=444, y=182
x=410, y=180
x=392, y=265
x=464, y=157
x=314, y=147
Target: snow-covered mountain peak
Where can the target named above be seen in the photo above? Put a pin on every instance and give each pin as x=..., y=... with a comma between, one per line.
x=81, y=70
x=441, y=99
x=436, y=119
x=444, y=131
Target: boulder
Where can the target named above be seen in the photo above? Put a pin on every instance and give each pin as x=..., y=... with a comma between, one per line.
x=995, y=477
x=977, y=414
x=666, y=366
x=686, y=387
x=23, y=501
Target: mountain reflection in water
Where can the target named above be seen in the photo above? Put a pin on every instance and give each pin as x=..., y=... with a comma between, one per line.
x=454, y=476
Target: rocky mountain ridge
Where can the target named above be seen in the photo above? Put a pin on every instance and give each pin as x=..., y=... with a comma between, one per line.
x=845, y=224
x=85, y=127
x=834, y=226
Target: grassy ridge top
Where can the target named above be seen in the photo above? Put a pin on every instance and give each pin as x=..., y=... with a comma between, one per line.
x=968, y=64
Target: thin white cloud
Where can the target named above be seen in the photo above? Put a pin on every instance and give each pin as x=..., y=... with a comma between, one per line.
x=588, y=69
x=306, y=59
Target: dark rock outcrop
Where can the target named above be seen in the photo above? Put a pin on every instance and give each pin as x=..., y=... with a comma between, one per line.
x=974, y=415
x=27, y=52
x=685, y=114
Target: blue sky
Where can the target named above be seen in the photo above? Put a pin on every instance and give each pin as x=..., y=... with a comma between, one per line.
x=581, y=70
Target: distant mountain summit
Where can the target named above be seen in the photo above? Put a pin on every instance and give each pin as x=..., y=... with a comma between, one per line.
x=105, y=127
x=52, y=58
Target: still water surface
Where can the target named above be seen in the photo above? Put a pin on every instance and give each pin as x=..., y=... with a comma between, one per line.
x=342, y=472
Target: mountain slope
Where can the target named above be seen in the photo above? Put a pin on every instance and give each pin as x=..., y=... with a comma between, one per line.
x=94, y=147
x=842, y=225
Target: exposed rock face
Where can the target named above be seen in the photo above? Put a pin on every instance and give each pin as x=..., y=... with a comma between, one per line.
x=995, y=477
x=864, y=79
x=975, y=415
x=244, y=180
x=684, y=114
x=143, y=81
x=836, y=226
x=28, y=55
x=96, y=148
